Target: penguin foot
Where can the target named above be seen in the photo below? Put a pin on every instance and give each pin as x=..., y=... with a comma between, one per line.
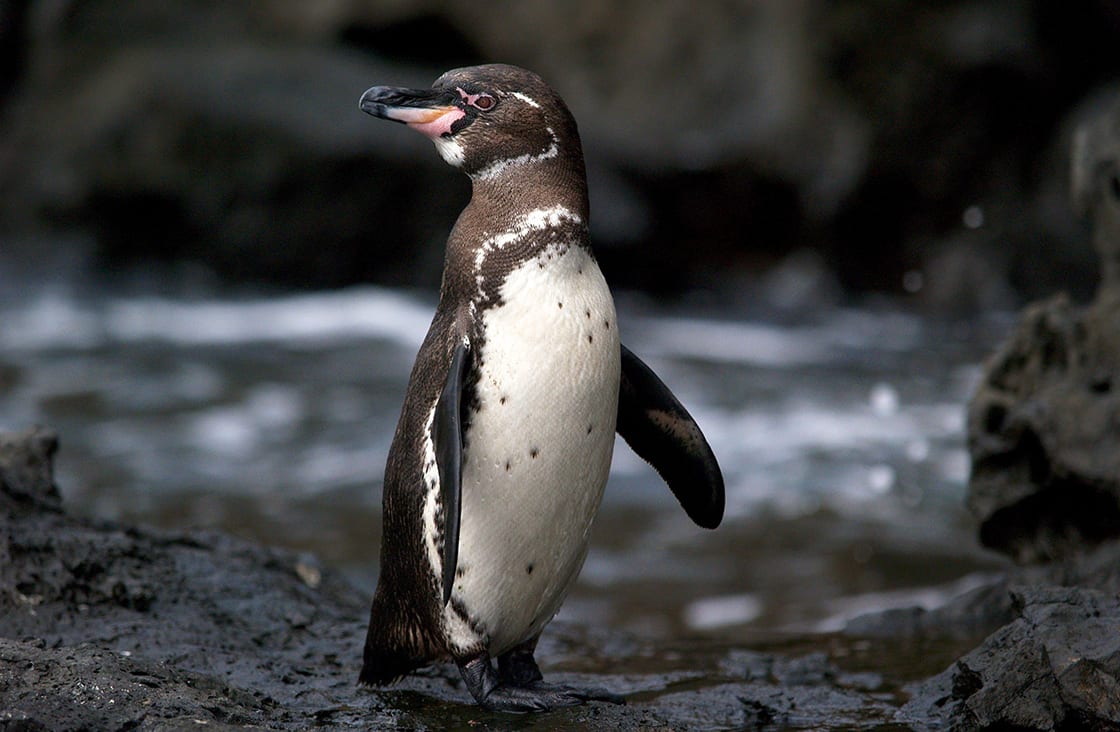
x=508, y=695
x=541, y=697
x=517, y=667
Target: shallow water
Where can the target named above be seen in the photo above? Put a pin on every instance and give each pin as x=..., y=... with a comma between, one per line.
x=841, y=437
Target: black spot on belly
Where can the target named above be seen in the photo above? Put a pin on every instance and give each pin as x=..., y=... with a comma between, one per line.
x=460, y=572
x=607, y=324
x=590, y=338
x=507, y=466
x=589, y=428
x=529, y=568
x=502, y=400
x=533, y=452
x=587, y=313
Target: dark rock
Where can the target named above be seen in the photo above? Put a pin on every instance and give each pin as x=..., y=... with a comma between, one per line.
x=46, y=688
x=145, y=628
x=1056, y=666
x=980, y=612
x=720, y=140
x=1042, y=428
x=972, y=615
x=242, y=156
x=26, y=468
x=1051, y=658
x=1045, y=420
x=775, y=707
x=105, y=626
x=780, y=692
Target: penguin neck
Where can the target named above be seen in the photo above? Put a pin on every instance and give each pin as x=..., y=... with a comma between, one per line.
x=510, y=205
x=504, y=199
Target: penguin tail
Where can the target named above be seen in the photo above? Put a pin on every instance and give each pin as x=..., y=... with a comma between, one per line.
x=383, y=666
x=395, y=645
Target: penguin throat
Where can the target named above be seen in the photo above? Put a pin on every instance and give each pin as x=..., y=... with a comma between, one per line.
x=527, y=227
x=450, y=150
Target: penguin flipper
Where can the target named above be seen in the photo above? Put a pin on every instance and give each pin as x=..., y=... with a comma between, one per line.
x=662, y=432
x=447, y=436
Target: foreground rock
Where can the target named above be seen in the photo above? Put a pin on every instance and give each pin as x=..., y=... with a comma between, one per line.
x=104, y=626
x=1051, y=658
x=1055, y=665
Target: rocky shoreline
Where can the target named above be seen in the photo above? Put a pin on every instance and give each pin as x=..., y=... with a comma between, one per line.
x=109, y=626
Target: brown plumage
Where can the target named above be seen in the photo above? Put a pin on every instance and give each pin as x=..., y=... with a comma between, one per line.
x=504, y=441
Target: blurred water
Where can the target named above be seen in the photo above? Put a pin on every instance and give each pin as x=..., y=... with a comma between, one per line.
x=840, y=436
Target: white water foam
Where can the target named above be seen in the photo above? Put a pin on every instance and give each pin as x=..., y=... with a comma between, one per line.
x=52, y=320
x=759, y=344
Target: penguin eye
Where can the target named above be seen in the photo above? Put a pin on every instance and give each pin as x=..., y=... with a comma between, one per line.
x=483, y=102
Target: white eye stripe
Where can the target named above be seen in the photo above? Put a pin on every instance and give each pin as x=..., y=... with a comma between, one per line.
x=527, y=99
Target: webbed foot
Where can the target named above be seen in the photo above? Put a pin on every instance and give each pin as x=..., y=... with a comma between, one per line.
x=541, y=697
x=520, y=689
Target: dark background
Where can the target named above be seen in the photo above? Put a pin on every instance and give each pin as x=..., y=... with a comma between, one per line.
x=859, y=146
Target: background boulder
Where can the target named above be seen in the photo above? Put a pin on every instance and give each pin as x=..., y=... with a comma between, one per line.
x=1044, y=422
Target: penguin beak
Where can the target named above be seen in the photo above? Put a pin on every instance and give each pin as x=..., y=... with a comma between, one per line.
x=425, y=110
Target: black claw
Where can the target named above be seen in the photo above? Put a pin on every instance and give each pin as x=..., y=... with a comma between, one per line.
x=516, y=699
x=591, y=694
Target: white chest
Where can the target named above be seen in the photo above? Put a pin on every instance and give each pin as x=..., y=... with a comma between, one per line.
x=539, y=447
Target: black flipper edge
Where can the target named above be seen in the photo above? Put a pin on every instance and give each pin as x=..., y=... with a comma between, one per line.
x=447, y=435
x=662, y=432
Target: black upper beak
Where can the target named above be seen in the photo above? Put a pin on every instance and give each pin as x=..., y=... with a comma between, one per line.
x=428, y=111
x=402, y=105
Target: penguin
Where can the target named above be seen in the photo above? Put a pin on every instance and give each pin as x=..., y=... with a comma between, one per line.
x=504, y=442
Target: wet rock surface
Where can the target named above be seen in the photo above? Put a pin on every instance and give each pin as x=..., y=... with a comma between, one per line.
x=1055, y=665
x=107, y=626
x=118, y=627
x=104, y=626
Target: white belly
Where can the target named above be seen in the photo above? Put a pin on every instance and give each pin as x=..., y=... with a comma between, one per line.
x=538, y=450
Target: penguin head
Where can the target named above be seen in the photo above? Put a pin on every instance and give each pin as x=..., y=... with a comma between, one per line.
x=485, y=120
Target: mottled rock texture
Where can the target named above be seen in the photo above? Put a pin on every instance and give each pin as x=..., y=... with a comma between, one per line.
x=1044, y=424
